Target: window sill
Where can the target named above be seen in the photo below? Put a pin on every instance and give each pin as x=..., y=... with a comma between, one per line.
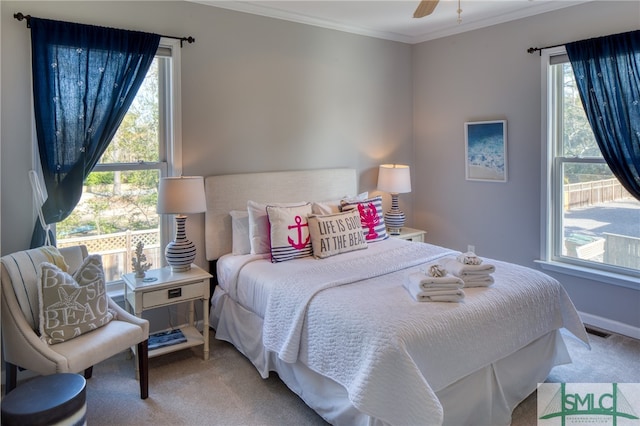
x=115, y=290
x=591, y=274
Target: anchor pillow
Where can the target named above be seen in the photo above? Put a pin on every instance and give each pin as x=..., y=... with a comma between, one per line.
x=72, y=305
x=259, y=224
x=371, y=217
x=289, y=232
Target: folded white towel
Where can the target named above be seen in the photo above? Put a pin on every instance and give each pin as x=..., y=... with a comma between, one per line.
x=478, y=281
x=469, y=258
x=463, y=271
x=452, y=294
x=438, y=296
x=426, y=282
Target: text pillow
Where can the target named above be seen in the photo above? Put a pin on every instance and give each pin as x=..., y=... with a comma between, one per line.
x=259, y=225
x=371, y=218
x=72, y=305
x=336, y=233
x=289, y=231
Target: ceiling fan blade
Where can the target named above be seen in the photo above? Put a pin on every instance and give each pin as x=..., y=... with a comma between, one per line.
x=425, y=8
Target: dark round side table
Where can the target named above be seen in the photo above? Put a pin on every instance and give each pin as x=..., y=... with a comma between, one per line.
x=47, y=400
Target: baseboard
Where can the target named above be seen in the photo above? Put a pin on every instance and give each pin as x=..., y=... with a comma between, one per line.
x=610, y=325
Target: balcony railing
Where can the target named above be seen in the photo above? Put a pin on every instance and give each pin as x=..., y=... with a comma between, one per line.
x=118, y=249
x=586, y=194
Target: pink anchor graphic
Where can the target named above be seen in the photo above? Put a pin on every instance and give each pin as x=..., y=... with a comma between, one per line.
x=369, y=216
x=300, y=244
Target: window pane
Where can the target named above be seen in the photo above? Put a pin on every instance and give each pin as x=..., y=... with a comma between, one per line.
x=577, y=137
x=601, y=220
x=116, y=211
x=118, y=207
x=137, y=137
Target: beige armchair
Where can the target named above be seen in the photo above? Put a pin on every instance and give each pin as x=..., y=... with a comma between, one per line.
x=23, y=348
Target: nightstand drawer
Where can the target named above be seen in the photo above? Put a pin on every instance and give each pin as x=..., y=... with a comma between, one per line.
x=172, y=295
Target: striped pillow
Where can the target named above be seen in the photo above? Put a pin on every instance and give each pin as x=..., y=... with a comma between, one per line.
x=371, y=217
x=289, y=232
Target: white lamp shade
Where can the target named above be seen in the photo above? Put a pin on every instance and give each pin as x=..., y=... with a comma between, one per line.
x=181, y=195
x=394, y=178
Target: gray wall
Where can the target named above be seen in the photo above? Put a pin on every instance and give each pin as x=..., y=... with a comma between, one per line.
x=261, y=94
x=258, y=94
x=488, y=75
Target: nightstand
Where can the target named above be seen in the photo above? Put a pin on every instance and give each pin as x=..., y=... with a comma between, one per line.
x=163, y=287
x=411, y=234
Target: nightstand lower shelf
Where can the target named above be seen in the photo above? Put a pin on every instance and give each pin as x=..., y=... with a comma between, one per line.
x=194, y=338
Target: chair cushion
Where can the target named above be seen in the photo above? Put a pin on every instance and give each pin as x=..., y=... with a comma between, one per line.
x=72, y=305
x=23, y=268
x=97, y=345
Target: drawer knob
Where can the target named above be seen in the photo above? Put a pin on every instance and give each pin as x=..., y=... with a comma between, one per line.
x=174, y=292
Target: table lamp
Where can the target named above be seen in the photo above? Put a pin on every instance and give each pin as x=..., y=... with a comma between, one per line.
x=181, y=196
x=395, y=179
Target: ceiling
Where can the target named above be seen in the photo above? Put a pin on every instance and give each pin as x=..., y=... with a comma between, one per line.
x=393, y=19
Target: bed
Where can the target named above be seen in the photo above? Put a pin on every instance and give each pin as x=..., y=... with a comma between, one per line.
x=345, y=335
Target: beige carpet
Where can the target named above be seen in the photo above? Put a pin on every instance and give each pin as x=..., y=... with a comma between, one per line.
x=227, y=390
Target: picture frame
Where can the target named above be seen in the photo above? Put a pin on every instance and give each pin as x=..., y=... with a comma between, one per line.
x=485, y=150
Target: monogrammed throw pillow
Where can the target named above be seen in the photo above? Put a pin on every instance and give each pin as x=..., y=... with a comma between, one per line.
x=72, y=305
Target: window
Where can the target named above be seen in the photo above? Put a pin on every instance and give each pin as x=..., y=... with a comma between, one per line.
x=593, y=223
x=118, y=205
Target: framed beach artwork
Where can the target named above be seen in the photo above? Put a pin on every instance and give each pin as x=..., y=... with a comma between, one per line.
x=485, y=150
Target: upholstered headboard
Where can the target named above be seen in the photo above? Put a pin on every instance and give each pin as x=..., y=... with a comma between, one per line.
x=225, y=193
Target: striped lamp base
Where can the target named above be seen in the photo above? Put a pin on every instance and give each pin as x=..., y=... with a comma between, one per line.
x=180, y=253
x=394, y=218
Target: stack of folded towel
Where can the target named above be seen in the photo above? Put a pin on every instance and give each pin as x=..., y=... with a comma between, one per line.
x=441, y=288
x=470, y=268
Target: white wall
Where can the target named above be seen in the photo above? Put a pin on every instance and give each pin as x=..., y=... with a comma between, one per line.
x=257, y=94
x=484, y=75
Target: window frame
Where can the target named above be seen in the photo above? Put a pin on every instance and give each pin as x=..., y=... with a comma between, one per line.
x=552, y=190
x=170, y=140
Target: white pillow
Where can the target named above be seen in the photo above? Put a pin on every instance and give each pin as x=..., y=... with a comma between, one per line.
x=259, y=224
x=240, y=232
x=333, y=206
x=336, y=233
x=289, y=232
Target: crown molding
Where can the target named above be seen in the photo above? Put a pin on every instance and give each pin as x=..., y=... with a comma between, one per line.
x=468, y=24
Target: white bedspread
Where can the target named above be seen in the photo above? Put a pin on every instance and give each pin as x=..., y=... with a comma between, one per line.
x=392, y=353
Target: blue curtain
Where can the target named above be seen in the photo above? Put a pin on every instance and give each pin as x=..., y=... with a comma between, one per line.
x=607, y=71
x=84, y=80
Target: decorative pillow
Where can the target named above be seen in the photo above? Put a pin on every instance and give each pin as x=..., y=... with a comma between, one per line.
x=72, y=305
x=289, y=231
x=240, y=232
x=333, y=206
x=336, y=233
x=259, y=225
x=371, y=217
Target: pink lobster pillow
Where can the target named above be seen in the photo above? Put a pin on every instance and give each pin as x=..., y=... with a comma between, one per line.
x=371, y=217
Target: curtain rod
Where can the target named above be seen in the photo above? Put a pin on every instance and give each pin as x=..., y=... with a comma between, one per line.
x=20, y=17
x=540, y=49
